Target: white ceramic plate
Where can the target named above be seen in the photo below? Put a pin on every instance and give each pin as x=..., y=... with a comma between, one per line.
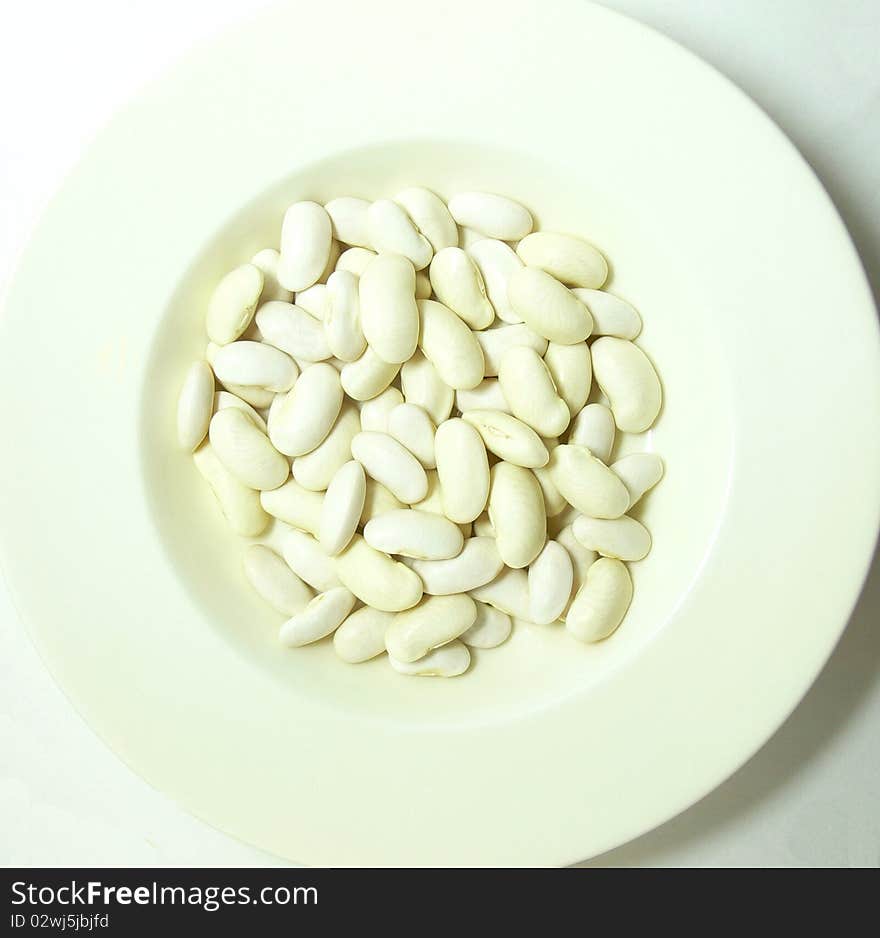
x=756, y=311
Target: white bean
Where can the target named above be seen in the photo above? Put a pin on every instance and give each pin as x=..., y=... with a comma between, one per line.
x=458, y=284
x=450, y=346
x=594, y=428
x=362, y=635
x=389, y=315
x=388, y=462
x=572, y=372
x=463, y=470
x=491, y=627
x=547, y=307
x=223, y=399
x=304, y=417
x=342, y=507
x=304, y=556
x=245, y=450
x=349, y=220
x=487, y=395
x=623, y=538
x=413, y=428
x=374, y=413
x=293, y=330
x=378, y=501
x=314, y=470
x=306, y=236
x=435, y=621
x=342, y=326
x=449, y=660
x=602, y=602
x=376, y=579
x=367, y=377
x=315, y=301
x=392, y=232
x=529, y=389
x=255, y=364
x=495, y=216
x=240, y=505
x=422, y=385
x=587, y=483
x=496, y=342
x=554, y=502
x=477, y=564
x=509, y=592
x=629, y=381
x=194, y=405
x=323, y=615
x=267, y=261
x=232, y=304
x=430, y=215
x=355, y=260
x=293, y=504
x=570, y=260
x=611, y=315
x=516, y=510
x=639, y=472
x=423, y=286
x=274, y=581
x=411, y=533
x=508, y=438
x=550, y=578
x=496, y=261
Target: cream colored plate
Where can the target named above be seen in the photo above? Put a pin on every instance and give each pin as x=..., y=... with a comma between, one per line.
x=756, y=312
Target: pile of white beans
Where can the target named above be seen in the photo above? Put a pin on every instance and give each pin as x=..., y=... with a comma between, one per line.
x=405, y=399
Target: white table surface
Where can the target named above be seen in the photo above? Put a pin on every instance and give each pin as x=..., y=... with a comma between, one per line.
x=809, y=798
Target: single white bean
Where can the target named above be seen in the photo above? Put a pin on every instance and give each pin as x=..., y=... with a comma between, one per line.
x=323, y=615
x=639, y=472
x=572, y=372
x=570, y=260
x=223, y=399
x=550, y=578
x=516, y=510
x=304, y=556
x=392, y=232
x=306, y=414
x=274, y=581
x=306, y=236
x=463, y=470
x=255, y=364
x=422, y=535
x=490, y=629
x=342, y=507
x=430, y=215
x=314, y=470
x=388, y=462
x=495, y=216
x=355, y=261
x=496, y=261
x=342, y=326
x=376, y=579
x=435, y=621
x=458, y=284
x=629, y=381
x=362, y=635
x=581, y=560
x=487, y=395
x=623, y=538
x=389, y=315
x=374, y=413
x=594, y=428
x=602, y=602
x=240, y=505
x=267, y=261
x=367, y=377
x=422, y=385
x=547, y=307
x=529, y=389
x=496, y=342
x=611, y=315
x=478, y=563
x=295, y=505
x=246, y=451
x=293, y=330
x=411, y=426
x=509, y=592
x=378, y=501
x=348, y=217
x=315, y=301
x=587, y=483
x=450, y=346
x=232, y=304
x=508, y=438
x=195, y=405
x=449, y=660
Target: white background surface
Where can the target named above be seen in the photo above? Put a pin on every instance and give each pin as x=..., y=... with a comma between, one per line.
x=809, y=798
